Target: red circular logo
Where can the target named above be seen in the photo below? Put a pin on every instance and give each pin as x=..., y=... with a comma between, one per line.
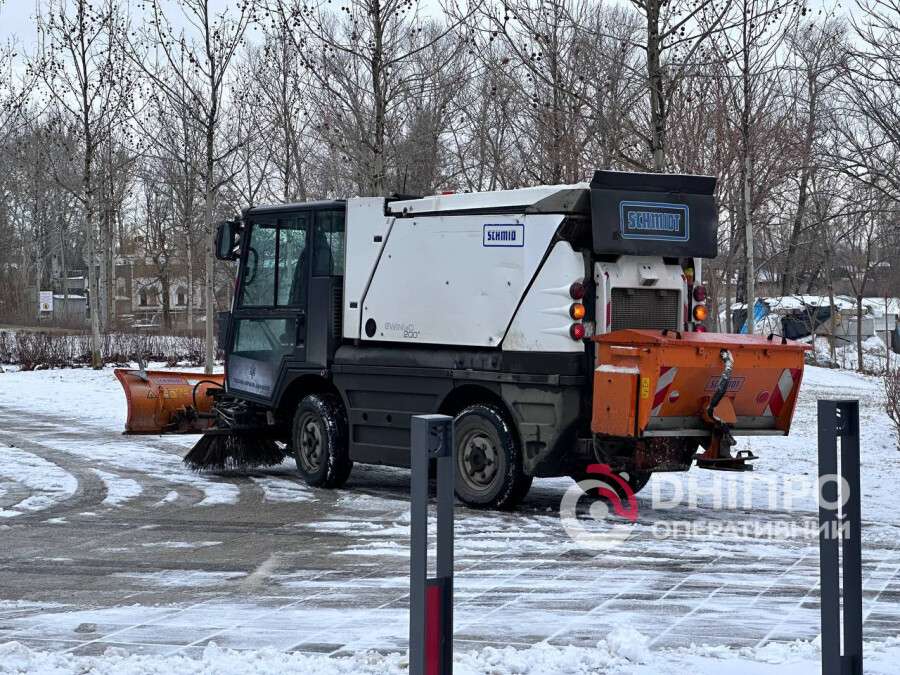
x=762, y=397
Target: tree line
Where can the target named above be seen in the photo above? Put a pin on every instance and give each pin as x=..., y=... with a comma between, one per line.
x=134, y=126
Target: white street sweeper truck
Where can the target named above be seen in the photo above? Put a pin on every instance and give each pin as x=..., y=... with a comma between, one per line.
x=560, y=325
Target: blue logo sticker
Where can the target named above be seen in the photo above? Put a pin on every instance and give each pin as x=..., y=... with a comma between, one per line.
x=654, y=220
x=503, y=235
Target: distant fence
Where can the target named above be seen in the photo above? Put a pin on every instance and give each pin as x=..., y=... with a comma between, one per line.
x=48, y=350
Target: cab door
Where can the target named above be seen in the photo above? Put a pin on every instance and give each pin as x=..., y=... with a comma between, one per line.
x=271, y=305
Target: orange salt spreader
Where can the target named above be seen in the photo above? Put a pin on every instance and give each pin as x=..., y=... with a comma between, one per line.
x=712, y=386
x=167, y=401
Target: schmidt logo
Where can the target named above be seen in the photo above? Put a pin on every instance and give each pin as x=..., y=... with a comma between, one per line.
x=651, y=221
x=503, y=235
x=654, y=220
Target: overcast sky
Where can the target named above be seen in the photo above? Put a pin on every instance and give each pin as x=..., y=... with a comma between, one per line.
x=17, y=16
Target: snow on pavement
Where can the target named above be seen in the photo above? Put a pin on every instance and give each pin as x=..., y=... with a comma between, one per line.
x=623, y=652
x=46, y=482
x=155, y=565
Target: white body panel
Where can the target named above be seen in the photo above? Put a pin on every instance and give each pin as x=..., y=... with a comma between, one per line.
x=453, y=280
x=365, y=222
x=543, y=321
x=635, y=272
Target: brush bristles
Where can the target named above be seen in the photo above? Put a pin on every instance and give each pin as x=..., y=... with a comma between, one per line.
x=220, y=452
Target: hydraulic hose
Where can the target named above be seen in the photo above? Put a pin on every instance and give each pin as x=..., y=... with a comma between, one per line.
x=197, y=386
x=722, y=386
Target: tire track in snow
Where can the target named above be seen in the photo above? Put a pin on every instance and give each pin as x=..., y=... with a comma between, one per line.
x=54, y=485
x=149, y=460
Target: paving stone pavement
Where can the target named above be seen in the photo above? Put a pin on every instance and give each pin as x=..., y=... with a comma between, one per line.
x=260, y=560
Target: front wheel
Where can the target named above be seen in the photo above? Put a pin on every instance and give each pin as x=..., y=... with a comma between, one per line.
x=489, y=470
x=320, y=441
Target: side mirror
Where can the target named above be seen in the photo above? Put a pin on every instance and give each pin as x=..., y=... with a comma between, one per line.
x=228, y=240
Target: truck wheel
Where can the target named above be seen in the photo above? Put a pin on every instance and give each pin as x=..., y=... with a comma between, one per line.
x=320, y=441
x=488, y=460
x=636, y=480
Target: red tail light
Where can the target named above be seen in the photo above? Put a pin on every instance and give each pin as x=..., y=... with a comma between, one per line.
x=576, y=290
x=699, y=293
x=577, y=331
x=699, y=328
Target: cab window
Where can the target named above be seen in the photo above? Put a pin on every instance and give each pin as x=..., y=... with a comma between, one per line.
x=258, y=283
x=329, y=248
x=276, y=265
x=293, y=261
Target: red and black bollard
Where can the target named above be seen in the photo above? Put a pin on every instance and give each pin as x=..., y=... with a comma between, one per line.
x=431, y=598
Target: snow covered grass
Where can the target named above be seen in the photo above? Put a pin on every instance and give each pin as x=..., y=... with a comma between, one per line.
x=846, y=355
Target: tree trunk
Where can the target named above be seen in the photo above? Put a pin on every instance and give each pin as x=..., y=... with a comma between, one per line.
x=859, y=315
x=166, y=299
x=209, y=254
x=102, y=280
x=832, y=320
x=749, y=264
x=93, y=287
x=190, y=282
x=887, y=336
x=655, y=84
x=376, y=67
x=64, y=270
x=788, y=278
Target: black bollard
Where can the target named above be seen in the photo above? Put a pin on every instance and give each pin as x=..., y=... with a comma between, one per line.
x=431, y=598
x=840, y=523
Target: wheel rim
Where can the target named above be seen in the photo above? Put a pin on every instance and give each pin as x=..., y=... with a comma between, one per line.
x=479, y=460
x=310, y=451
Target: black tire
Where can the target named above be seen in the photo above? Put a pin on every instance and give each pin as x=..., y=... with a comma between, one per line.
x=489, y=472
x=636, y=480
x=319, y=438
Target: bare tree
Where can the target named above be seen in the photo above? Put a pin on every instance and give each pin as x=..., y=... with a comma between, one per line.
x=365, y=62
x=676, y=36
x=571, y=67
x=85, y=73
x=818, y=51
x=750, y=49
x=191, y=70
x=871, y=142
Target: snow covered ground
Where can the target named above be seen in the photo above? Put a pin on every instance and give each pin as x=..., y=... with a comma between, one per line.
x=118, y=560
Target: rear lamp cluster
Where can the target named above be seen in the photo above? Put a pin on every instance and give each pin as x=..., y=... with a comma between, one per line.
x=577, y=311
x=700, y=313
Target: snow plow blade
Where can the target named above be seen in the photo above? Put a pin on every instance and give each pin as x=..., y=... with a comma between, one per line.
x=167, y=401
x=666, y=383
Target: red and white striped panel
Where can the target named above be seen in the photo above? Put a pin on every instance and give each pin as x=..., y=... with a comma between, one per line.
x=782, y=392
x=666, y=377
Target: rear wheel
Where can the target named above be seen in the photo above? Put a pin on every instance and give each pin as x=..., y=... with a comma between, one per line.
x=489, y=470
x=320, y=441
